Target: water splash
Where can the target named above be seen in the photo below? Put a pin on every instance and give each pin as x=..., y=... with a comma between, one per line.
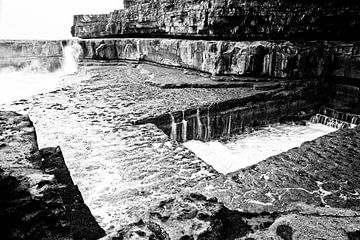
x=208, y=120
x=173, y=134
x=229, y=125
x=354, y=120
x=331, y=122
x=199, y=124
x=184, y=127
x=343, y=116
x=71, y=54
x=37, y=77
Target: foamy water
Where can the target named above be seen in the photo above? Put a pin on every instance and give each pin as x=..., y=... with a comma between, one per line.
x=22, y=84
x=247, y=149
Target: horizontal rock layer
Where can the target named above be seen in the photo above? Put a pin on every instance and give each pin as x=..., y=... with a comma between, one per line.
x=226, y=19
x=38, y=198
x=257, y=58
x=336, y=62
x=293, y=102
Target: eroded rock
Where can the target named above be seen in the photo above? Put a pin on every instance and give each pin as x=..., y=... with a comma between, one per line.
x=37, y=196
x=228, y=19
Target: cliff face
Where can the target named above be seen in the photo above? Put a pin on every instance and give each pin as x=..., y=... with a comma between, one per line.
x=226, y=19
x=209, y=36
x=256, y=58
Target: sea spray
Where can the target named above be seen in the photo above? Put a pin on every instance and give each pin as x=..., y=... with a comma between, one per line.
x=71, y=54
x=199, y=124
x=39, y=76
x=173, y=127
x=184, y=127
x=331, y=122
x=229, y=125
x=208, y=125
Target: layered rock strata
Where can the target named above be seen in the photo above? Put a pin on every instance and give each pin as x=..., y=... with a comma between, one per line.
x=335, y=62
x=256, y=58
x=38, y=198
x=291, y=102
x=227, y=19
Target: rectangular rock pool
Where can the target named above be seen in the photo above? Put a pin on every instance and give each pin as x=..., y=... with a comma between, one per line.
x=243, y=150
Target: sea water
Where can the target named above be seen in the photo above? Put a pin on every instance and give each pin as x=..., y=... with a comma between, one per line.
x=244, y=150
x=30, y=81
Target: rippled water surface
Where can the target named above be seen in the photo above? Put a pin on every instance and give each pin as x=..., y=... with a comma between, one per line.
x=247, y=149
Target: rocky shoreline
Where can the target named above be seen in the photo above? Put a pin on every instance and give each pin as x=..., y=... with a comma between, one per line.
x=218, y=67
x=280, y=196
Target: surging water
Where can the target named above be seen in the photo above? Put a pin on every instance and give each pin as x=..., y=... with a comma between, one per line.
x=32, y=80
x=71, y=55
x=333, y=122
x=247, y=149
x=173, y=127
x=184, y=127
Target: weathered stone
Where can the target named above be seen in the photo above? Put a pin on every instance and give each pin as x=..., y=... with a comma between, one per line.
x=193, y=216
x=82, y=224
x=256, y=58
x=237, y=115
x=229, y=19
x=37, y=201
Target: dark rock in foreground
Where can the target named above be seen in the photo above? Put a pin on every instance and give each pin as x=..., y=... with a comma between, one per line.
x=38, y=199
x=193, y=216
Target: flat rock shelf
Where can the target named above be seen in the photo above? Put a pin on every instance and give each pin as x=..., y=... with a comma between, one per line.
x=122, y=169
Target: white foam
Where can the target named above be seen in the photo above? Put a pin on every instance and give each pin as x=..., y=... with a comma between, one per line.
x=248, y=149
x=33, y=79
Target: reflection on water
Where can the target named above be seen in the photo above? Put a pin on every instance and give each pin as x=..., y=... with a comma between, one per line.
x=247, y=149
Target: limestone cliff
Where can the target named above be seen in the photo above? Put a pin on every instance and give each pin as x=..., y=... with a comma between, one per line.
x=281, y=59
x=226, y=19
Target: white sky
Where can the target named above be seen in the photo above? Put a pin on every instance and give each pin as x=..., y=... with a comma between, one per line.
x=47, y=19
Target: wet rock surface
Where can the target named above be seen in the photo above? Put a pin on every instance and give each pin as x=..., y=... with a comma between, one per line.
x=120, y=168
x=35, y=202
x=202, y=80
x=322, y=173
x=277, y=59
x=124, y=171
x=193, y=216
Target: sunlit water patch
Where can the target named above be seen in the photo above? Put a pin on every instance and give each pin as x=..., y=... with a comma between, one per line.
x=247, y=149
